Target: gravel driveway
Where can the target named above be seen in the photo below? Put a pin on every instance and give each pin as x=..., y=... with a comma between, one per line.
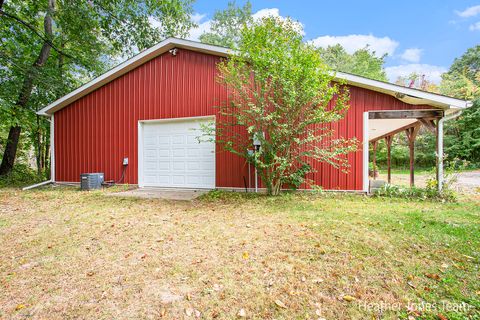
x=467, y=182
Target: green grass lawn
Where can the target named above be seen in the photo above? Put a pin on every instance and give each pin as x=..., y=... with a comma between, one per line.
x=72, y=254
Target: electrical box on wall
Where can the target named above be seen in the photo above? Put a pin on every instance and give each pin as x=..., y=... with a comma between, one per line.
x=125, y=161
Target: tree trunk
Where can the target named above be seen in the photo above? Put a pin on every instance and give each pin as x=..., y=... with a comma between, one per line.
x=10, y=150
x=25, y=93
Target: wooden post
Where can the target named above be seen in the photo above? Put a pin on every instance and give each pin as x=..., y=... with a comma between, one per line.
x=411, y=135
x=374, y=160
x=388, y=141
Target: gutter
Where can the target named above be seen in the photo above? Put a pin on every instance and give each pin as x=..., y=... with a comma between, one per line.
x=52, y=157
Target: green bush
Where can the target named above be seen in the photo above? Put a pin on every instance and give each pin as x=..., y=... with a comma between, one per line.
x=21, y=175
x=451, y=170
x=414, y=193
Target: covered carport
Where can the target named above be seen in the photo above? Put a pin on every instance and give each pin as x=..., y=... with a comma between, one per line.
x=385, y=125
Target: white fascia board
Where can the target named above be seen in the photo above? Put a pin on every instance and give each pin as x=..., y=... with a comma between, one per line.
x=394, y=89
x=129, y=65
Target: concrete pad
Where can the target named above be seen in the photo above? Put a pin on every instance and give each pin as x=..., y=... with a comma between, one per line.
x=161, y=193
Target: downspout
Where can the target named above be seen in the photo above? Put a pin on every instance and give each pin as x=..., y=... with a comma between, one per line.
x=52, y=158
x=440, y=146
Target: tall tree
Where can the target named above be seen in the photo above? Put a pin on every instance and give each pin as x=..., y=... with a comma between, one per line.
x=282, y=94
x=362, y=62
x=80, y=36
x=226, y=25
x=462, y=137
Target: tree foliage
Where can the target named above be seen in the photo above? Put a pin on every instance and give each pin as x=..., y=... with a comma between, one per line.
x=227, y=24
x=282, y=94
x=462, y=139
x=49, y=47
x=362, y=62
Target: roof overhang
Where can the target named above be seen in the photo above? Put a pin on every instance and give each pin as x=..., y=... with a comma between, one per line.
x=405, y=94
x=408, y=95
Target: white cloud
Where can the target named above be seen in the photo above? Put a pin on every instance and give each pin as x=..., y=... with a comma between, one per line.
x=354, y=42
x=431, y=72
x=412, y=55
x=267, y=12
x=275, y=12
x=475, y=26
x=206, y=25
x=469, y=12
x=202, y=26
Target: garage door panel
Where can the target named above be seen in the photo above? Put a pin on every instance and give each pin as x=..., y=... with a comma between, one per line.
x=174, y=157
x=179, y=166
x=179, y=152
x=163, y=179
x=164, y=165
x=163, y=140
x=178, y=140
x=150, y=153
x=178, y=180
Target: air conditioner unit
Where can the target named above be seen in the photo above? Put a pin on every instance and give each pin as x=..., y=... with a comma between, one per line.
x=89, y=181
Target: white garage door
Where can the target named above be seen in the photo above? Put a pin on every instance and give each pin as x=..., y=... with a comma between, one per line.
x=174, y=157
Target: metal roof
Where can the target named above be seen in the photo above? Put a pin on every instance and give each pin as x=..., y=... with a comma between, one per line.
x=408, y=95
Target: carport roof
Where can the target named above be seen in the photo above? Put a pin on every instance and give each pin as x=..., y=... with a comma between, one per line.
x=408, y=95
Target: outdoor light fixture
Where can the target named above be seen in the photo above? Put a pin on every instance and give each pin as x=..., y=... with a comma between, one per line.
x=173, y=51
x=257, y=140
x=257, y=143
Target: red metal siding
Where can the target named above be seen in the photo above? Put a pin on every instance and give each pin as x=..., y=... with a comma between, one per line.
x=96, y=132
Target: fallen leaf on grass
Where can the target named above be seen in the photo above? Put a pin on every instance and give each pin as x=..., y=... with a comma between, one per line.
x=441, y=317
x=280, y=304
x=242, y=313
x=162, y=312
x=19, y=307
x=90, y=273
x=245, y=255
x=433, y=276
x=348, y=298
x=411, y=284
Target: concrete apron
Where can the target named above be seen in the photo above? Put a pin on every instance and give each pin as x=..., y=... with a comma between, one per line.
x=161, y=193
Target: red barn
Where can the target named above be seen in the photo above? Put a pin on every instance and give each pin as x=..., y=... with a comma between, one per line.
x=144, y=111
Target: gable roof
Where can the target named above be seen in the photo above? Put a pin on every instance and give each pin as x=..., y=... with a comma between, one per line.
x=408, y=95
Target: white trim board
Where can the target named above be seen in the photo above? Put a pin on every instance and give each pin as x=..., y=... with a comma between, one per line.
x=52, y=148
x=408, y=95
x=366, y=180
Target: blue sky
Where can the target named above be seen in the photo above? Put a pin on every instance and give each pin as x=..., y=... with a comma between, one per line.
x=423, y=36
